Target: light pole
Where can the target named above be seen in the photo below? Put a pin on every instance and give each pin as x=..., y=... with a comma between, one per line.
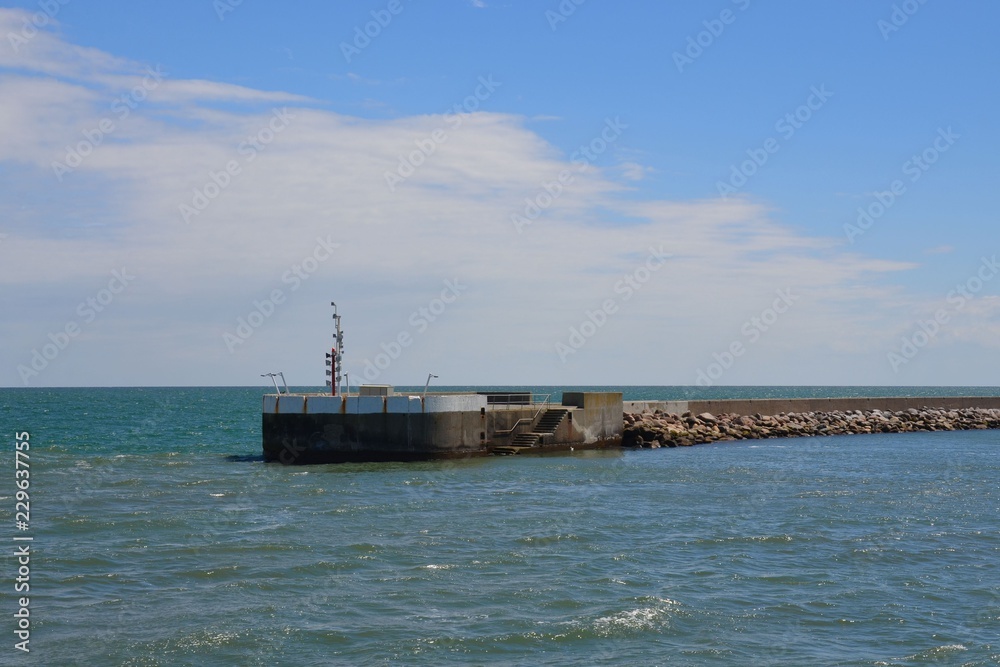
x=272, y=376
x=427, y=384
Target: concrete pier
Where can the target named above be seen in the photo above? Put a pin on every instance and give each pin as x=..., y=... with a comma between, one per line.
x=379, y=425
x=382, y=426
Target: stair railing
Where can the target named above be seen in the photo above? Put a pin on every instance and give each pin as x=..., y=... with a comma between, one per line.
x=541, y=406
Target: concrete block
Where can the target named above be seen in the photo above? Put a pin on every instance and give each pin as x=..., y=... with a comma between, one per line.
x=289, y=404
x=398, y=405
x=365, y=405
x=375, y=390
x=454, y=403
x=323, y=405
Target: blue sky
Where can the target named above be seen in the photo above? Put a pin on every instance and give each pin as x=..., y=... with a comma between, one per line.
x=339, y=171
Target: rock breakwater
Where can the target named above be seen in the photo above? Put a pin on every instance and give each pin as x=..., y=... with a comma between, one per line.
x=661, y=429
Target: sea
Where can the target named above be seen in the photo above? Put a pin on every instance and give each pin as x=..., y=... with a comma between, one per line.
x=158, y=536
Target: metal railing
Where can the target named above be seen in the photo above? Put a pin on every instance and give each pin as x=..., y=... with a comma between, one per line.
x=518, y=398
x=541, y=406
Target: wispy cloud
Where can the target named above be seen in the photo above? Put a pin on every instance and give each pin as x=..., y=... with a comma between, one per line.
x=322, y=176
x=633, y=171
x=940, y=250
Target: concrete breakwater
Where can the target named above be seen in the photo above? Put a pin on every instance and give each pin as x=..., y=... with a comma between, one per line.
x=659, y=428
x=774, y=406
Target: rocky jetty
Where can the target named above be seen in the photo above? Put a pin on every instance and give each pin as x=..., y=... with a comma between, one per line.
x=660, y=429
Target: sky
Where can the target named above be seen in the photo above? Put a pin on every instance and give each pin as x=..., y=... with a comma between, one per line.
x=574, y=192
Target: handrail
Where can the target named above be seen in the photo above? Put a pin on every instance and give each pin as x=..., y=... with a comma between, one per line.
x=541, y=405
x=509, y=398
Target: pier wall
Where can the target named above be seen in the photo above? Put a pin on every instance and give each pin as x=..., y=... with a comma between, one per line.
x=307, y=428
x=321, y=404
x=598, y=415
x=372, y=436
x=775, y=406
x=317, y=428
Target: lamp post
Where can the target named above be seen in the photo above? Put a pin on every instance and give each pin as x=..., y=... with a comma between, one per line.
x=272, y=376
x=427, y=384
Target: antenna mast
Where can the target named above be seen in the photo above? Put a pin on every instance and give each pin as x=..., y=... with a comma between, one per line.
x=335, y=357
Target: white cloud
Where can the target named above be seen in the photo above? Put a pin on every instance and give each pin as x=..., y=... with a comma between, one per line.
x=323, y=175
x=633, y=171
x=940, y=250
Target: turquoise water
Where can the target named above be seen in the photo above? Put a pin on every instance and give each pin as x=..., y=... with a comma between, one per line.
x=160, y=538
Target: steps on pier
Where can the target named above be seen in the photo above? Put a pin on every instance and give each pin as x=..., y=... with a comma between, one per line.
x=550, y=421
x=508, y=450
x=525, y=440
x=546, y=425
